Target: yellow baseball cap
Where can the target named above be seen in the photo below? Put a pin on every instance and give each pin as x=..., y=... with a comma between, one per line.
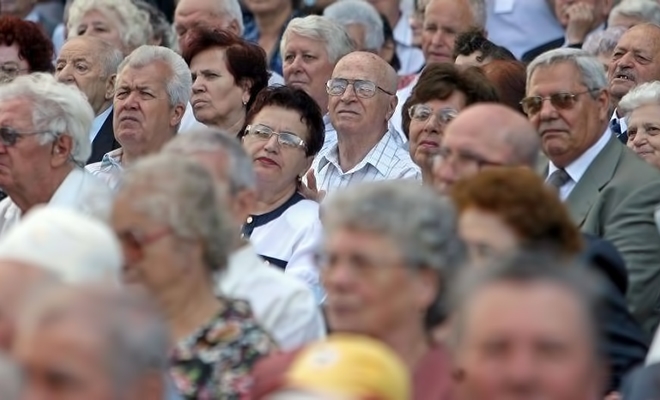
x=351, y=366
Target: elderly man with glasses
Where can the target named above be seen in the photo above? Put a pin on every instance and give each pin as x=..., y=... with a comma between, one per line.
x=361, y=101
x=610, y=192
x=44, y=144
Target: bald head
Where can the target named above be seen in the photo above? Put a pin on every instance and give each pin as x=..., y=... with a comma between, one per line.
x=502, y=128
x=378, y=69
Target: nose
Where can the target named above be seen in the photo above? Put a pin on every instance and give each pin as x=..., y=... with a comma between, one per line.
x=438, y=38
x=272, y=146
x=336, y=276
x=624, y=62
x=349, y=94
x=547, y=111
x=638, y=139
x=198, y=86
x=296, y=64
x=131, y=102
x=65, y=75
x=443, y=172
x=433, y=125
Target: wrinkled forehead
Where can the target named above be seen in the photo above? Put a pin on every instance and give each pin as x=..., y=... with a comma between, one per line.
x=356, y=67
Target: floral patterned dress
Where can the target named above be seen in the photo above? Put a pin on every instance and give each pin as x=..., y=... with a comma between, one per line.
x=214, y=363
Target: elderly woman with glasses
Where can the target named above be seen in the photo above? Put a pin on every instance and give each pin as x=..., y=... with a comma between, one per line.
x=283, y=134
x=641, y=106
x=441, y=92
x=24, y=48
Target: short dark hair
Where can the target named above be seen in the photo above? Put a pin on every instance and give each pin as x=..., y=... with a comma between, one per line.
x=474, y=40
x=535, y=266
x=245, y=61
x=439, y=81
x=34, y=46
x=296, y=100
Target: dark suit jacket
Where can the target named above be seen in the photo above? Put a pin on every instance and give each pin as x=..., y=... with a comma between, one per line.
x=104, y=141
x=642, y=384
x=615, y=199
x=554, y=44
x=625, y=342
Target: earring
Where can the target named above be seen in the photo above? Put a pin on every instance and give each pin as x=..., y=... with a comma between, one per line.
x=244, y=103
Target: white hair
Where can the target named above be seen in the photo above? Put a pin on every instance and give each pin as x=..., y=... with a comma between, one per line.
x=239, y=170
x=644, y=10
x=135, y=29
x=109, y=57
x=642, y=95
x=603, y=42
x=479, y=12
x=179, y=85
x=233, y=9
x=348, y=12
x=337, y=41
x=593, y=74
x=57, y=108
x=11, y=380
x=74, y=247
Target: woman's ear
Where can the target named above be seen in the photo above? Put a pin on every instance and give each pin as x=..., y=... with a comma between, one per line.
x=246, y=85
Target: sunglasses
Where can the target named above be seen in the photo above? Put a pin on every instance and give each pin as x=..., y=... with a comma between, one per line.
x=9, y=136
x=562, y=101
x=363, y=88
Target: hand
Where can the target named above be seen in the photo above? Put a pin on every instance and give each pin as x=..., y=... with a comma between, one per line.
x=310, y=191
x=580, y=22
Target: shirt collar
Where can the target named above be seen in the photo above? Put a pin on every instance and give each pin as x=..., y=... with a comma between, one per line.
x=112, y=159
x=69, y=189
x=577, y=168
x=402, y=31
x=98, y=123
x=372, y=157
x=622, y=121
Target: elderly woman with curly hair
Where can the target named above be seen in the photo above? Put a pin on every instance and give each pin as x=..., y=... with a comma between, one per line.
x=24, y=48
x=119, y=22
x=441, y=92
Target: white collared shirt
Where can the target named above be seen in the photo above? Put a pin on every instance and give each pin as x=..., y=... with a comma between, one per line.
x=330, y=133
x=402, y=95
x=283, y=305
x=410, y=57
x=79, y=191
x=109, y=169
x=388, y=159
x=98, y=123
x=521, y=25
x=577, y=168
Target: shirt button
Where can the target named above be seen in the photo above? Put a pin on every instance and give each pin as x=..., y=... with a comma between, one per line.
x=249, y=220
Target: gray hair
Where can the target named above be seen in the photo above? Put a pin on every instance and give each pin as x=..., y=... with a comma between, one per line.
x=531, y=267
x=479, y=12
x=181, y=194
x=591, y=70
x=645, y=94
x=240, y=171
x=135, y=332
x=644, y=10
x=11, y=379
x=57, y=109
x=348, y=12
x=337, y=41
x=603, y=42
x=179, y=84
x=135, y=30
x=419, y=222
x=233, y=9
x=160, y=26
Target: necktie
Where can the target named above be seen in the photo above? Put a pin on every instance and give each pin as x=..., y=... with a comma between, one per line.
x=558, y=178
x=616, y=128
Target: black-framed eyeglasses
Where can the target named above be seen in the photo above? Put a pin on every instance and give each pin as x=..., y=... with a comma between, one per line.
x=9, y=136
x=464, y=159
x=422, y=112
x=12, y=69
x=563, y=101
x=363, y=88
x=286, y=139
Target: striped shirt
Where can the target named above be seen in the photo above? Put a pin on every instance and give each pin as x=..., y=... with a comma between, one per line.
x=387, y=160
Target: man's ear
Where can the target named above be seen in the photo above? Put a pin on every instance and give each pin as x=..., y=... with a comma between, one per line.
x=110, y=87
x=62, y=150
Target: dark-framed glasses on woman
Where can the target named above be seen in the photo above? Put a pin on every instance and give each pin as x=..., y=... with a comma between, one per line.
x=285, y=139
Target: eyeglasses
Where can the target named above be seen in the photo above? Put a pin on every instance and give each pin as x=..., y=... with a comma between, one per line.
x=422, y=112
x=532, y=105
x=363, y=88
x=11, y=69
x=286, y=139
x=9, y=136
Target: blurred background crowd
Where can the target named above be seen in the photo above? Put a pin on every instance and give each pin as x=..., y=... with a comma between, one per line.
x=329, y=199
